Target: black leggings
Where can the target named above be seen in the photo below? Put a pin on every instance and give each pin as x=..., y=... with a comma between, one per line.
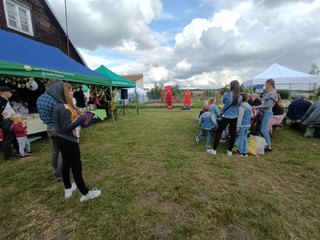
x=232, y=131
x=71, y=159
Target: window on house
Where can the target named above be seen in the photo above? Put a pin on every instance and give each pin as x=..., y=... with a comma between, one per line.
x=18, y=17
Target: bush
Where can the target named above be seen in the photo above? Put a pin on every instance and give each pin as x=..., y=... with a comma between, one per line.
x=284, y=94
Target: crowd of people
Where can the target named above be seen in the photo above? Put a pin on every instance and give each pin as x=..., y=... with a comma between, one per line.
x=245, y=114
x=242, y=114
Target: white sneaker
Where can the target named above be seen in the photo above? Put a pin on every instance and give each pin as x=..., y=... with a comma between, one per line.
x=212, y=152
x=229, y=153
x=68, y=192
x=245, y=155
x=94, y=193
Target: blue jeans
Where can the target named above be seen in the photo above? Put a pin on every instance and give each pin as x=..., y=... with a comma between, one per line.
x=24, y=145
x=243, y=140
x=267, y=115
x=205, y=132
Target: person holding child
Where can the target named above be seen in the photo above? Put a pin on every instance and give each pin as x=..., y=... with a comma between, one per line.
x=5, y=123
x=268, y=101
x=243, y=125
x=231, y=101
x=67, y=117
x=19, y=127
x=207, y=122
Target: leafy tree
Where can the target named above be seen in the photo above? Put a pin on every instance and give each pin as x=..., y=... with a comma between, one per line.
x=315, y=70
x=155, y=93
x=176, y=91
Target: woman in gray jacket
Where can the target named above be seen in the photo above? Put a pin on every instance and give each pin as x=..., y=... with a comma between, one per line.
x=268, y=100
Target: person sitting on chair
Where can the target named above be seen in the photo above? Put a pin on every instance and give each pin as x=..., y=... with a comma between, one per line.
x=298, y=108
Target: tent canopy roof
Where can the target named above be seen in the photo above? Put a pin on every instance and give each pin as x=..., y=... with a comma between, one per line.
x=282, y=75
x=117, y=81
x=22, y=56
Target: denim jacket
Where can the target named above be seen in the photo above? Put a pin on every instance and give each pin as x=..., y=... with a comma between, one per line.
x=208, y=121
x=233, y=111
x=245, y=114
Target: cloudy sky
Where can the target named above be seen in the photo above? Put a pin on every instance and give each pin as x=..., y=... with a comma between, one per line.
x=193, y=43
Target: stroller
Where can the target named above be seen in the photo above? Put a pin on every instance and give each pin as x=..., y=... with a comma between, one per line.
x=256, y=123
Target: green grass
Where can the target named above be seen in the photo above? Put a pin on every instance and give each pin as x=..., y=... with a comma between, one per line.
x=157, y=184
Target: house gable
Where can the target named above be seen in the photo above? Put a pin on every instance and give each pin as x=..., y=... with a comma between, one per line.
x=45, y=26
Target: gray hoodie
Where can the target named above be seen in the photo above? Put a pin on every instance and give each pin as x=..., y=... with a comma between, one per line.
x=62, y=115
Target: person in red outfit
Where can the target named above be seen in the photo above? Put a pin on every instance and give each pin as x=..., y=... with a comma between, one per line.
x=187, y=98
x=19, y=127
x=169, y=98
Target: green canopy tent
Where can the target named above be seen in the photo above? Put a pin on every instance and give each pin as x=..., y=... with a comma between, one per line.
x=116, y=80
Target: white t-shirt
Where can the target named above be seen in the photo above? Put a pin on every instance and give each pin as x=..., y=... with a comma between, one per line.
x=8, y=109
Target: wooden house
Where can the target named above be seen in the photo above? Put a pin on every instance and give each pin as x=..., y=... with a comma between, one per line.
x=36, y=20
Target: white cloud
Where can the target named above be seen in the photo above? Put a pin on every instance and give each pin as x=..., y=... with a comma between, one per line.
x=183, y=66
x=239, y=39
x=191, y=33
x=158, y=74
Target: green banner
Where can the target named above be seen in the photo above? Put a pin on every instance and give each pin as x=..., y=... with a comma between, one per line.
x=16, y=69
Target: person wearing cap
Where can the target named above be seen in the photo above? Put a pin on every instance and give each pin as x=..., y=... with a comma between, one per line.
x=5, y=123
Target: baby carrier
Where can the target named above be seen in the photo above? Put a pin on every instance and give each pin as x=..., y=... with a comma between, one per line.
x=256, y=123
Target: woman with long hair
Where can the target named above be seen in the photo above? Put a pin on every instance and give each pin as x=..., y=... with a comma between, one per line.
x=67, y=117
x=268, y=101
x=229, y=112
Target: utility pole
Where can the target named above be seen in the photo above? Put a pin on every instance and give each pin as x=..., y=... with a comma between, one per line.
x=67, y=31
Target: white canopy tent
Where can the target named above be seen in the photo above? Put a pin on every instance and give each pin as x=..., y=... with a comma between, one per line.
x=142, y=94
x=285, y=78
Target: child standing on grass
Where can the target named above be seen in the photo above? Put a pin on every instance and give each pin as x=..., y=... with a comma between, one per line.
x=19, y=128
x=207, y=122
x=243, y=125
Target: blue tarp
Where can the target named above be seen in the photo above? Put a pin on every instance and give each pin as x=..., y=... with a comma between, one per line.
x=44, y=60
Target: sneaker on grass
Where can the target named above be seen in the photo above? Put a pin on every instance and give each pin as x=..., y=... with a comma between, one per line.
x=212, y=152
x=94, y=193
x=68, y=192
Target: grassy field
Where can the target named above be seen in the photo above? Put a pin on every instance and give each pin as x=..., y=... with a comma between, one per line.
x=157, y=184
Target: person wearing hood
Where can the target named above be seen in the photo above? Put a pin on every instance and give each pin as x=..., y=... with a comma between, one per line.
x=66, y=118
x=243, y=125
x=207, y=122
